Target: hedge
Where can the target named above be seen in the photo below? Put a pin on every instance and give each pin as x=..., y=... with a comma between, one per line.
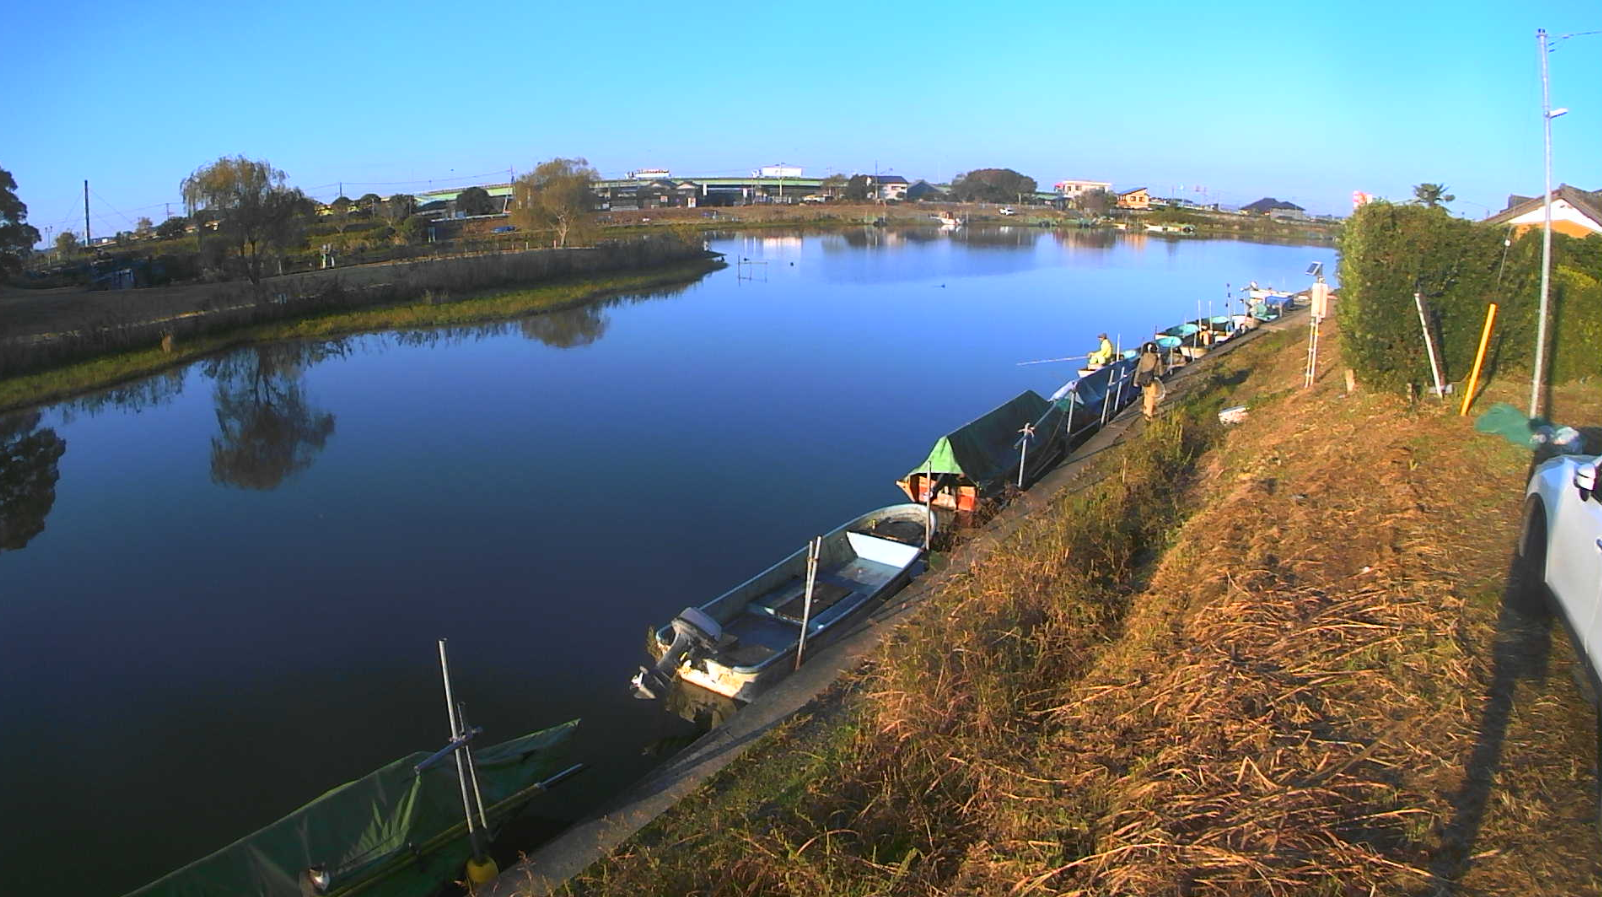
x=1389, y=252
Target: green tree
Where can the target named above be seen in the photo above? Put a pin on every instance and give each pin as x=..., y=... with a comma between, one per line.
x=258, y=209
x=339, y=214
x=143, y=228
x=370, y=202
x=857, y=188
x=17, y=236
x=992, y=185
x=1431, y=196
x=399, y=207
x=172, y=228
x=66, y=243
x=555, y=195
x=475, y=201
x=834, y=186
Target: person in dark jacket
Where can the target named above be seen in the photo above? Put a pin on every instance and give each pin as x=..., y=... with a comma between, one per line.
x=1148, y=376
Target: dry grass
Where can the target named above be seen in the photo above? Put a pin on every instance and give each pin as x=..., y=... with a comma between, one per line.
x=1278, y=661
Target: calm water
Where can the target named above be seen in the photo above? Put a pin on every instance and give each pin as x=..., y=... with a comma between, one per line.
x=231, y=602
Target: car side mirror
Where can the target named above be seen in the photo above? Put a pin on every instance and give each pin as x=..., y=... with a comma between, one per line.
x=1585, y=476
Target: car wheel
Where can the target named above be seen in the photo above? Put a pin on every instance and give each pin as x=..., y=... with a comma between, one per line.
x=1527, y=590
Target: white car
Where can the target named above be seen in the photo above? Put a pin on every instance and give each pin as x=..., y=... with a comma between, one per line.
x=1007, y=210
x=1561, y=545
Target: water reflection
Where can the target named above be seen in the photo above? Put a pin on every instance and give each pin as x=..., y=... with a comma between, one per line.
x=567, y=329
x=136, y=396
x=28, y=474
x=269, y=430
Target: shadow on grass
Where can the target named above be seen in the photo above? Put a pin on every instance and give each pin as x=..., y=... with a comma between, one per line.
x=1520, y=654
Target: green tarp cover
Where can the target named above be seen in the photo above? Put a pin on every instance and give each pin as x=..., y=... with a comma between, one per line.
x=985, y=451
x=392, y=833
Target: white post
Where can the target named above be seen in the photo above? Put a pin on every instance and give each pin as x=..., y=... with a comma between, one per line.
x=813, y=549
x=1546, y=230
x=1429, y=346
x=1028, y=432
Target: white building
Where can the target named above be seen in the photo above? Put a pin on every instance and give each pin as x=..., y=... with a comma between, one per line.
x=1073, y=189
x=779, y=170
x=650, y=174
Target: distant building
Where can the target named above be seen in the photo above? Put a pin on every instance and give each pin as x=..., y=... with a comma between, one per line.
x=1138, y=198
x=1268, y=204
x=1575, y=212
x=649, y=174
x=779, y=170
x=1287, y=214
x=923, y=190
x=888, y=186
x=1073, y=189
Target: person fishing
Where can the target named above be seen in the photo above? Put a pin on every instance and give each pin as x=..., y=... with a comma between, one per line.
x=1103, y=355
x=1148, y=376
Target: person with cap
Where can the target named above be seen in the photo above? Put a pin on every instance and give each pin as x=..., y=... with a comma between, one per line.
x=1148, y=376
x=1103, y=354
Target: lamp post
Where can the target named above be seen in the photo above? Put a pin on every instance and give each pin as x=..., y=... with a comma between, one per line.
x=1547, y=114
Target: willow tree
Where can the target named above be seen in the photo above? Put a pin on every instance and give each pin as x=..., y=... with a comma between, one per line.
x=257, y=209
x=556, y=196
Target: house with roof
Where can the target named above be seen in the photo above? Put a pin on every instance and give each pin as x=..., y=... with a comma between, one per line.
x=1268, y=205
x=1138, y=198
x=1074, y=189
x=923, y=190
x=888, y=186
x=1575, y=212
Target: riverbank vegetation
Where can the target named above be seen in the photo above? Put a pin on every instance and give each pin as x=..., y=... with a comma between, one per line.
x=1286, y=657
x=434, y=310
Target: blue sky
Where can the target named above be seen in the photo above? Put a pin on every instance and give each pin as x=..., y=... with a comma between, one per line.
x=1247, y=99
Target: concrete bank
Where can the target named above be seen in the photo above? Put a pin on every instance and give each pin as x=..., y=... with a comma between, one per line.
x=546, y=869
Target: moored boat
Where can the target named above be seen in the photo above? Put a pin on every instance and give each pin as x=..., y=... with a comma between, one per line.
x=745, y=639
x=971, y=468
x=396, y=832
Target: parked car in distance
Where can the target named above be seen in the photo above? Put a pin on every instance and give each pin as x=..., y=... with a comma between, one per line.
x=1560, y=547
x=814, y=197
x=503, y=229
x=1007, y=210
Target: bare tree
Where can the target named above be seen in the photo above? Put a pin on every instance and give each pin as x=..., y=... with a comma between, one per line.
x=256, y=206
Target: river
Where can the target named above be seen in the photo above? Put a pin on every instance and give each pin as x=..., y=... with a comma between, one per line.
x=220, y=587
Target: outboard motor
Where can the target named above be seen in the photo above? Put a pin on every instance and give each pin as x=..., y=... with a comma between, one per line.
x=692, y=629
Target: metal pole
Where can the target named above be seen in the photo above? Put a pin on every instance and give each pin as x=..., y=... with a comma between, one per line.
x=472, y=771
x=1429, y=346
x=1479, y=358
x=928, y=507
x=813, y=549
x=1546, y=230
x=87, y=239
x=1028, y=431
x=461, y=772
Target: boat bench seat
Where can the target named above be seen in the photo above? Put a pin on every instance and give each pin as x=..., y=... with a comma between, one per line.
x=789, y=603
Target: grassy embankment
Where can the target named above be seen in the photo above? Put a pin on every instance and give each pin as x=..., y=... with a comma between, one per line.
x=1277, y=658
x=493, y=305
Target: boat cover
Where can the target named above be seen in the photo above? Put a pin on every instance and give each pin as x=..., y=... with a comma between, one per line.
x=985, y=451
x=393, y=832
x=1091, y=391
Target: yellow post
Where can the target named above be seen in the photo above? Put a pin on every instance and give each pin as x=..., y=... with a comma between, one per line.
x=1479, y=359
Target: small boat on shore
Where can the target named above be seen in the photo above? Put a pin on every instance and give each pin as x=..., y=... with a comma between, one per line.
x=745, y=639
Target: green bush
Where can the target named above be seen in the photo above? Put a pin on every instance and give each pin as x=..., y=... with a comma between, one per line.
x=1389, y=252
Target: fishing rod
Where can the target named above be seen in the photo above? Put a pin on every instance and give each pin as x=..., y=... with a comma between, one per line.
x=1049, y=360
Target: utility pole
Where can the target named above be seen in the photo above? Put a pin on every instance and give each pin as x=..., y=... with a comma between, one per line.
x=1546, y=230
x=86, y=238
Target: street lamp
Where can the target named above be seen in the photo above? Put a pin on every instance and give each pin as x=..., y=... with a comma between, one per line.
x=1547, y=114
